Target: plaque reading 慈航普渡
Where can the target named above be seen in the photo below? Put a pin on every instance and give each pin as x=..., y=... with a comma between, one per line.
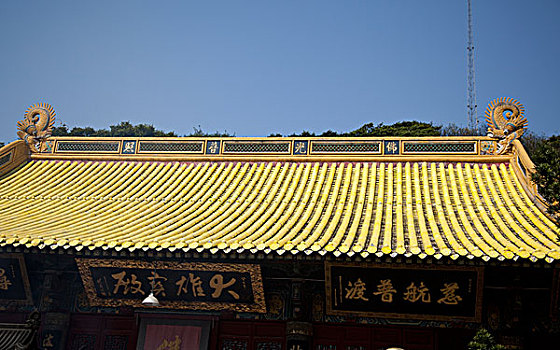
x=404, y=291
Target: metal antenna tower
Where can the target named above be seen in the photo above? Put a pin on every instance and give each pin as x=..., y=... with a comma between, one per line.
x=471, y=89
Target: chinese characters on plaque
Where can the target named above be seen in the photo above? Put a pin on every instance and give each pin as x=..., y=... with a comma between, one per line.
x=14, y=284
x=404, y=291
x=199, y=286
x=391, y=147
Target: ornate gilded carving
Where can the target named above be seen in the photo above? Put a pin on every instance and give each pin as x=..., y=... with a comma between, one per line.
x=176, y=298
x=505, y=121
x=37, y=126
x=404, y=291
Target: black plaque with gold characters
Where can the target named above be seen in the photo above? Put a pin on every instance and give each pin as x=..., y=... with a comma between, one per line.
x=442, y=293
x=555, y=295
x=14, y=284
x=197, y=286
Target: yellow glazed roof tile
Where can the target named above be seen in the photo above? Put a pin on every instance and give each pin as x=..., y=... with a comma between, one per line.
x=402, y=208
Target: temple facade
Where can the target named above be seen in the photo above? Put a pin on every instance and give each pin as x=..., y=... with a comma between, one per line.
x=277, y=243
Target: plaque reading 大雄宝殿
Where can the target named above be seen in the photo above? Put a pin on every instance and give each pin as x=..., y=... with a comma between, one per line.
x=197, y=286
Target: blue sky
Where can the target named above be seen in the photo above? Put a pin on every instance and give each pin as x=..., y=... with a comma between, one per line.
x=260, y=67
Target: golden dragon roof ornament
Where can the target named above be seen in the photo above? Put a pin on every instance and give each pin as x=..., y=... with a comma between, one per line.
x=37, y=126
x=505, y=121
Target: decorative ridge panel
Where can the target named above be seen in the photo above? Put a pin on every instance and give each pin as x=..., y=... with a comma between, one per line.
x=79, y=146
x=256, y=147
x=195, y=147
x=428, y=209
x=345, y=147
x=291, y=147
x=439, y=147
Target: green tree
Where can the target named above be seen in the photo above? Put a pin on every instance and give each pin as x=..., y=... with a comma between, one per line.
x=547, y=173
x=329, y=133
x=123, y=129
x=458, y=130
x=483, y=340
x=531, y=142
x=406, y=128
x=304, y=133
x=126, y=129
x=198, y=132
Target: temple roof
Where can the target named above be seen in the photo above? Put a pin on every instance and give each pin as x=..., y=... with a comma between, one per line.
x=426, y=197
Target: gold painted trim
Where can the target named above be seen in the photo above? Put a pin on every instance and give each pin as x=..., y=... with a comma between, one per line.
x=282, y=140
x=520, y=157
x=478, y=303
x=10, y=154
x=19, y=154
x=292, y=138
x=275, y=158
x=254, y=270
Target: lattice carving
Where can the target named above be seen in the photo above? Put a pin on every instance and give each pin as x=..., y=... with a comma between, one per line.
x=83, y=342
x=345, y=147
x=451, y=147
x=78, y=146
x=234, y=344
x=115, y=342
x=171, y=147
x=326, y=347
x=256, y=147
x=269, y=345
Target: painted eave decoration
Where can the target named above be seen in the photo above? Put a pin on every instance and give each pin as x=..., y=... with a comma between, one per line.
x=428, y=197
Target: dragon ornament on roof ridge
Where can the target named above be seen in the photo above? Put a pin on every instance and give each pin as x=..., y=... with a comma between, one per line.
x=37, y=126
x=506, y=122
